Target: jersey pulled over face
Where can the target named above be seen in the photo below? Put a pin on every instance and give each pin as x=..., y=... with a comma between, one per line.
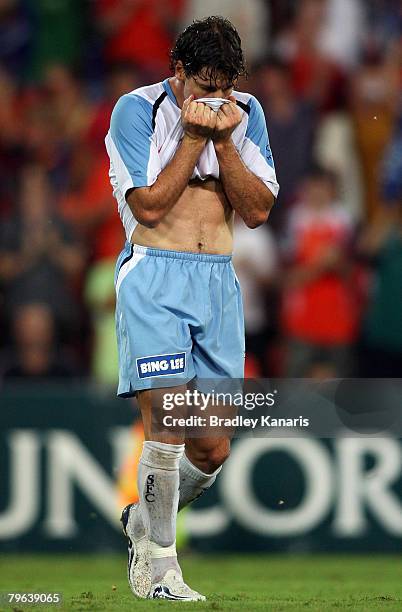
x=145, y=132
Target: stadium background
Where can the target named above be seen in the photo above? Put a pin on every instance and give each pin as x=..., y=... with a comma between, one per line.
x=328, y=74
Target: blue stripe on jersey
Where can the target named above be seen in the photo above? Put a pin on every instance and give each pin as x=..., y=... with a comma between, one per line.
x=167, y=87
x=257, y=130
x=131, y=132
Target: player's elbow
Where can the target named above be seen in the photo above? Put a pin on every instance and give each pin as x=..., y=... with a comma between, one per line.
x=143, y=208
x=260, y=215
x=148, y=218
x=257, y=218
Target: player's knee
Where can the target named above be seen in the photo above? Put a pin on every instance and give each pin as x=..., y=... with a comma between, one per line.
x=218, y=457
x=210, y=459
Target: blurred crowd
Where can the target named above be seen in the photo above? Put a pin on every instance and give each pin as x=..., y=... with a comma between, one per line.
x=322, y=281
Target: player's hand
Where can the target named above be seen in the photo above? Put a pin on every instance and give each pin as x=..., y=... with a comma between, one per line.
x=198, y=119
x=227, y=120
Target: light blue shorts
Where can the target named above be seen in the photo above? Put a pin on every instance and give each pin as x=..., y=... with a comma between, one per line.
x=178, y=316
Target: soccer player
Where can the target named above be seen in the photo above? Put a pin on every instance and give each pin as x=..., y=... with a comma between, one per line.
x=180, y=170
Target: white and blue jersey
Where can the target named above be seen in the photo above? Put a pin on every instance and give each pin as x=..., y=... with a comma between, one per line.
x=145, y=132
x=179, y=316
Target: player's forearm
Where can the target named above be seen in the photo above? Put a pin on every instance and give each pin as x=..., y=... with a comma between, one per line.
x=246, y=192
x=151, y=204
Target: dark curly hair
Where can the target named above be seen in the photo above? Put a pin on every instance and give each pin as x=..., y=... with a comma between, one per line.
x=210, y=46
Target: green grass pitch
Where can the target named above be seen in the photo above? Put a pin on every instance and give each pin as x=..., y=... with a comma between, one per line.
x=236, y=582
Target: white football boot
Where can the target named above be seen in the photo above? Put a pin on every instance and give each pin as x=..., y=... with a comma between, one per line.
x=173, y=587
x=139, y=571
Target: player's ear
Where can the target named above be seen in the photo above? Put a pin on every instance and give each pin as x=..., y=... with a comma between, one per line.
x=179, y=71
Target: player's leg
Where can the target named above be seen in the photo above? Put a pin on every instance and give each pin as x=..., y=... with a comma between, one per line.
x=197, y=470
x=158, y=484
x=199, y=466
x=151, y=524
x=218, y=358
x=162, y=470
x=158, y=487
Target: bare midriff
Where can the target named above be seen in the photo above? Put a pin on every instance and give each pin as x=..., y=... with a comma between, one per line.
x=200, y=222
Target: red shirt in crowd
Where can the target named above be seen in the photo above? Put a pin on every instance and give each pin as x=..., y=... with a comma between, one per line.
x=141, y=31
x=323, y=310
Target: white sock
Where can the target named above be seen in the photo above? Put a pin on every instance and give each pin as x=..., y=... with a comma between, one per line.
x=158, y=487
x=193, y=482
